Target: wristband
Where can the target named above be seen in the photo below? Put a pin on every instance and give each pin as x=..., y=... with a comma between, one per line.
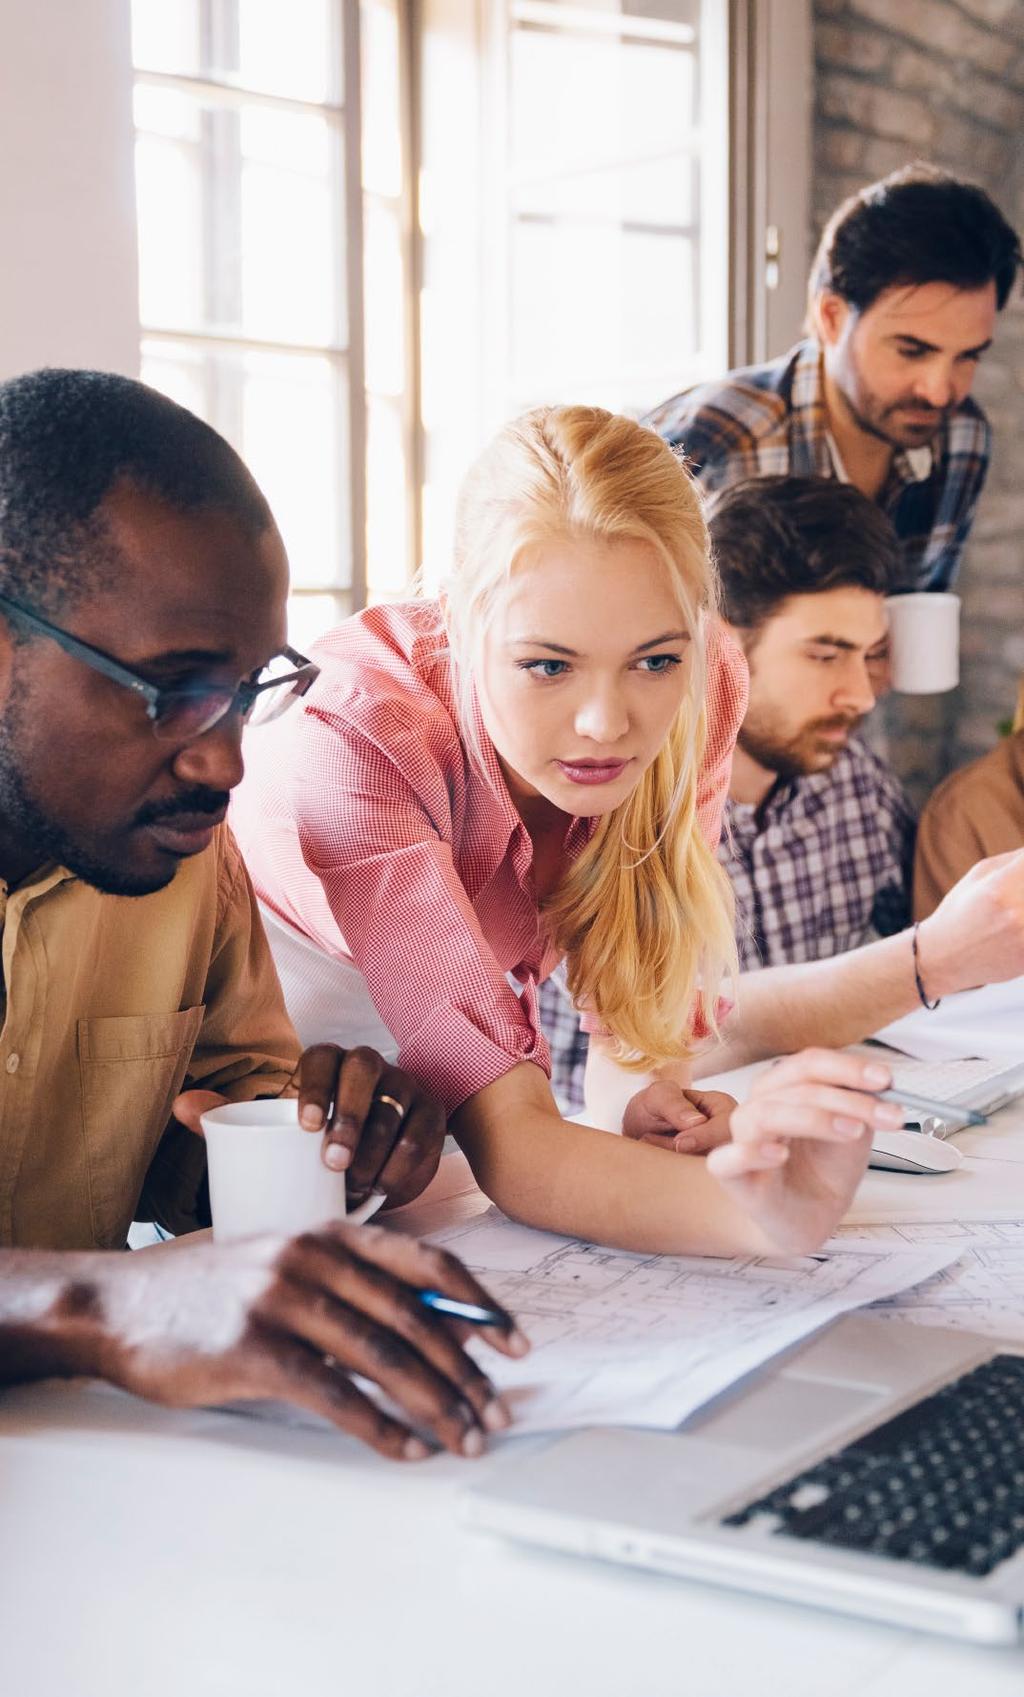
x=925, y=1003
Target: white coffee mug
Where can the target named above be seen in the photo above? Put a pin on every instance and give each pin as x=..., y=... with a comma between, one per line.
x=924, y=642
x=268, y=1175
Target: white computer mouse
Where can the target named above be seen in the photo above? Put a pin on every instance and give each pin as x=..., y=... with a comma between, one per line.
x=913, y=1152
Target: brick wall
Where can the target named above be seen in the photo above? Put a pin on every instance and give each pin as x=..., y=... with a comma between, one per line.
x=898, y=80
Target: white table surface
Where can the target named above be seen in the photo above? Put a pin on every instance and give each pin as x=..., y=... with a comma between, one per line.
x=206, y=1555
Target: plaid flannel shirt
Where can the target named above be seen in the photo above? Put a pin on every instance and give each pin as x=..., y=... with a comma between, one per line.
x=771, y=419
x=821, y=866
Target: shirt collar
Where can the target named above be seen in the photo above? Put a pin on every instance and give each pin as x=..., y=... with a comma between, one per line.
x=809, y=432
x=786, y=793
x=33, y=888
x=913, y=465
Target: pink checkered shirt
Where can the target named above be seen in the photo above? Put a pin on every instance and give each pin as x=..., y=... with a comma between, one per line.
x=367, y=827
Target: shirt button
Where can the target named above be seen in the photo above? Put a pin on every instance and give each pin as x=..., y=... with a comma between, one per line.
x=12, y=1063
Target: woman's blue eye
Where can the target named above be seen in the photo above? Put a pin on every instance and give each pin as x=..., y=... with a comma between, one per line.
x=544, y=668
x=659, y=663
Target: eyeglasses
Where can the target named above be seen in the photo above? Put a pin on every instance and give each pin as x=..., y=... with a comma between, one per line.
x=181, y=715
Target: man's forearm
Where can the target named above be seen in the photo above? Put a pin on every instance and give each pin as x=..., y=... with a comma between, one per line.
x=822, y=1003
x=49, y=1306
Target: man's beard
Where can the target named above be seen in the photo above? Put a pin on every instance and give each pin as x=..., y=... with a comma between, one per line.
x=795, y=756
x=880, y=421
x=26, y=819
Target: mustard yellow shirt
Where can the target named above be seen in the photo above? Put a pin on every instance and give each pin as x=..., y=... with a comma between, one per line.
x=975, y=812
x=113, y=1005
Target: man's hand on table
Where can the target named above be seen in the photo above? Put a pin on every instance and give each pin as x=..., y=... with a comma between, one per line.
x=288, y=1319
x=688, y=1121
x=379, y=1125
x=795, y=1151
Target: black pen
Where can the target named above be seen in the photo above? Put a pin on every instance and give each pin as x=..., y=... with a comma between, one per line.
x=468, y=1311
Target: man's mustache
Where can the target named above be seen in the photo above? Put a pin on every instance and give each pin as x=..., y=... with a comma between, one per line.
x=842, y=722
x=188, y=802
x=929, y=415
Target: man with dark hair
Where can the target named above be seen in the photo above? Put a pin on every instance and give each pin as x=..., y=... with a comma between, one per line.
x=903, y=296
x=818, y=835
x=142, y=621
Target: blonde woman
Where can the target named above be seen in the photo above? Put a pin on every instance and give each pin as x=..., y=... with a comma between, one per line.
x=530, y=769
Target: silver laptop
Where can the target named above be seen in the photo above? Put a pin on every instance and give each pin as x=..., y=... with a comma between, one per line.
x=877, y=1469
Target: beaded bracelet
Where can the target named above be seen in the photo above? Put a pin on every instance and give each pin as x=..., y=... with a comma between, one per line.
x=925, y=1003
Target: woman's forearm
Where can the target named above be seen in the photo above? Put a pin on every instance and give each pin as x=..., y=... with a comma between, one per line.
x=551, y=1173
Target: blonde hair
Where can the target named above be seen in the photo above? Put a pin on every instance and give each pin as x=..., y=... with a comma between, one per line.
x=644, y=915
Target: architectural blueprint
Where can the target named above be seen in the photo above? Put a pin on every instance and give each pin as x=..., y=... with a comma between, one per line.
x=646, y=1339
x=981, y=1291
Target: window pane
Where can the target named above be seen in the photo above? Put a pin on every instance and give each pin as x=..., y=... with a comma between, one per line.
x=309, y=616
x=387, y=545
x=179, y=372
x=606, y=157
x=285, y=415
x=384, y=305
x=598, y=314
x=381, y=98
x=290, y=166
x=169, y=198
x=291, y=49
x=294, y=441
x=659, y=192
x=166, y=35
x=237, y=220
x=577, y=97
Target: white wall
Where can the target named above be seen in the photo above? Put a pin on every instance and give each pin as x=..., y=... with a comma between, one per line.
x=68, y=277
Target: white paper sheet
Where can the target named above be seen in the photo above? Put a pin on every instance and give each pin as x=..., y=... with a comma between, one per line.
x=987, y=1022
x=982, y=1291
x=644, y=1340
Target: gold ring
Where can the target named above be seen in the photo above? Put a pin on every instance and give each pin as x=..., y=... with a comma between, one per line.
x=390, y=1102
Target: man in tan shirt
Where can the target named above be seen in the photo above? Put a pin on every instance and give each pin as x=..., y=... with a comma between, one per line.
x=142, y=620
x=974, y=813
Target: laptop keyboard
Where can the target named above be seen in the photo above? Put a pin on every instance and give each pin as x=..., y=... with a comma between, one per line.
x=941, y=1484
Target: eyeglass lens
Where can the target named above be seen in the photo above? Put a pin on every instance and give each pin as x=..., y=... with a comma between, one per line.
x=183, y=717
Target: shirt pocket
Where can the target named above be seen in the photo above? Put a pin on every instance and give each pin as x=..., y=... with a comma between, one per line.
x=131, y=1067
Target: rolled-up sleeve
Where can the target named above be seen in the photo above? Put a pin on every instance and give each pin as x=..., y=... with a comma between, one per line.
x=376, y=830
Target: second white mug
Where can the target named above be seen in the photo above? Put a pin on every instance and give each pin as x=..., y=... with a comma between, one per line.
x=924, y=642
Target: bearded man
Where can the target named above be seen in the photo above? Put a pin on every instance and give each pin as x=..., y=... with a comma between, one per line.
x=902, y=302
